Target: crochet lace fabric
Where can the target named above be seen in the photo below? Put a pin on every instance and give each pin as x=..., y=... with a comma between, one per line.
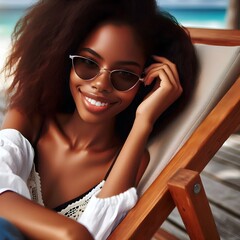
x=34, y=186
x=73, y=210
x=76, y=209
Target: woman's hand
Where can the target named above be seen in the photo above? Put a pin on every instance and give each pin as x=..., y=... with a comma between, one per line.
x=165, y=91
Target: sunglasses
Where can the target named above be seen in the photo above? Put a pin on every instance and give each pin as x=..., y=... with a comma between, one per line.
x=87, y=69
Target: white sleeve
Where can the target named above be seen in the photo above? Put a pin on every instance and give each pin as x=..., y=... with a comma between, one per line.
x=16, y=160
x=102, y=215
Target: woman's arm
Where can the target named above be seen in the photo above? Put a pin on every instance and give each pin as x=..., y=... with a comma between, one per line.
x=166, y=90
x=16, y=159
x=143, y=166
x=125, y=171
x=37, y=222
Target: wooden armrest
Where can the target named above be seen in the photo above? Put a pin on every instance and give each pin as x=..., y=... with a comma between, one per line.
x=189, y=196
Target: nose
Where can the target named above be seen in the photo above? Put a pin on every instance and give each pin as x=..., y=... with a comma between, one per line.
x=102, y=83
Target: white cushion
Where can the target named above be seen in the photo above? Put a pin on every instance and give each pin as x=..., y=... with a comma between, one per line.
x=219, y=68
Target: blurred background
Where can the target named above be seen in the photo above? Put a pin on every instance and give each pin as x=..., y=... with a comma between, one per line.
x=190, y=13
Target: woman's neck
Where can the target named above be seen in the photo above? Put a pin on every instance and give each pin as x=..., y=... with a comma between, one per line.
x=89, y=136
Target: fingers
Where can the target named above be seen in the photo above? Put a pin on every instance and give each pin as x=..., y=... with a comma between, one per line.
x=170, y=67
x=162, y=72
x=162, y=63
x=165, y=71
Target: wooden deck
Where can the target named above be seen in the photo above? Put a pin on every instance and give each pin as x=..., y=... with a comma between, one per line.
x=221, y=179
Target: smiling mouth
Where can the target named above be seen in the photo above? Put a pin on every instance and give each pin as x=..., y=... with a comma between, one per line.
x=96, y=103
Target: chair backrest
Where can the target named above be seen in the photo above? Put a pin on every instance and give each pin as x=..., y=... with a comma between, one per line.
x=194, y=136
x=219, y=68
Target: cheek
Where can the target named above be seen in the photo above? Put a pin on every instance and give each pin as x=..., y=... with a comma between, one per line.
x=74, y=82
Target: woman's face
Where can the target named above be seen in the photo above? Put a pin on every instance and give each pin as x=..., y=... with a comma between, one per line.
x=112, y=47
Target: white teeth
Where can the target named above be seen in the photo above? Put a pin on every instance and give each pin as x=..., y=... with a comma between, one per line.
x=96, y=103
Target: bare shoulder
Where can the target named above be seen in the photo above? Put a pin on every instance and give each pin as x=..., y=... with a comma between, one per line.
x=143, y=166
x=29, y=126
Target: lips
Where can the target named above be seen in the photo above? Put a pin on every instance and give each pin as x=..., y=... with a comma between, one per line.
x=96, y=104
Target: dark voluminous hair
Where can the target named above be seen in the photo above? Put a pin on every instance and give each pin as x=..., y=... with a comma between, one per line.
x=51, y=30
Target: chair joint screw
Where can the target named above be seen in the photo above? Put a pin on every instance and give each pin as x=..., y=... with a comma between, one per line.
x=196, y=188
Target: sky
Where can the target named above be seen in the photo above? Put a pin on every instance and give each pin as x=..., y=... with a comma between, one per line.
x=169, y=3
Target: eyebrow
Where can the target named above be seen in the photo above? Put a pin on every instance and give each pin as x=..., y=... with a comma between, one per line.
x=132, y=63
x=92, y=52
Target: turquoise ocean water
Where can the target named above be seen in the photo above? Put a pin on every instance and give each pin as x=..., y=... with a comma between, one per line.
x=8, y=19
x=205, y=18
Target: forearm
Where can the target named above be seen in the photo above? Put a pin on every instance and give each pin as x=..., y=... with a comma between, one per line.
x=37, y=222
x=124, y=173
x=117, y=196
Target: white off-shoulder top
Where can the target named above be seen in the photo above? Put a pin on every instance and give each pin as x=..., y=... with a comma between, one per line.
x=17, y=173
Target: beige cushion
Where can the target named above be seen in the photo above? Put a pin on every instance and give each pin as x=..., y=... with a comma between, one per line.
x=219, y=68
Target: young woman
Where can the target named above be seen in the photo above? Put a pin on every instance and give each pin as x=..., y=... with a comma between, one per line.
x=92, y=80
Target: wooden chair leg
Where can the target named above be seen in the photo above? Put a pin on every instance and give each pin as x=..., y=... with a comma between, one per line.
x=190, y=198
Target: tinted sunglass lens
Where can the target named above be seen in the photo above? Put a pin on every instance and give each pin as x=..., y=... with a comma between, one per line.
x=85, y=68
x=123, y=80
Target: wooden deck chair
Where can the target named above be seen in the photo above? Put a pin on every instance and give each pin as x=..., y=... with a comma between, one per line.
x=182, y=151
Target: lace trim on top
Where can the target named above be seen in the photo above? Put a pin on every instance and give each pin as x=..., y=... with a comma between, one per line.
x=34, y=186
x=76, y=209
x=73, y=210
